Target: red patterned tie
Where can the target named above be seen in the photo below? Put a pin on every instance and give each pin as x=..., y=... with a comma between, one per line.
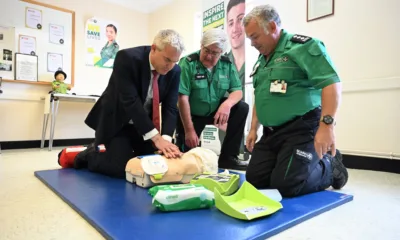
x=156, y=101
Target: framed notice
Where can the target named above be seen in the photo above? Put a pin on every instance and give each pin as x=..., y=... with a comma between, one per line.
x=33, y=18
x=54, y=62
x=317, y=9
x=26, y=67
x=27, y=45
x=56, y=34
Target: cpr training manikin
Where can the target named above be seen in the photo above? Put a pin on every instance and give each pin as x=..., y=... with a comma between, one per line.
x=151, y=170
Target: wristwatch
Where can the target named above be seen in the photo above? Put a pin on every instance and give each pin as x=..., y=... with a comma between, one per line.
x=327, y=119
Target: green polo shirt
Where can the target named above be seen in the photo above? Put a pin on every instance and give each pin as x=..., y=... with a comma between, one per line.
x=241, y=70
x=204, y=88
x=303, y=63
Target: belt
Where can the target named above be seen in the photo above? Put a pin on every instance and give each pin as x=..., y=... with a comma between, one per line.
x=308, y=115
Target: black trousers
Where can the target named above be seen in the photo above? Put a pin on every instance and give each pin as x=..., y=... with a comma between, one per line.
x=222, y=135
x=234, y=132
x=126, y=145
x=285, y=159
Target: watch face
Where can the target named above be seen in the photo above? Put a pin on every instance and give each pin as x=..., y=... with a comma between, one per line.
x=328, y=119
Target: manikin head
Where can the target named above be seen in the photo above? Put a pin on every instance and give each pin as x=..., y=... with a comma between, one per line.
x=262, y=27
x=166, y=50
x=213, y=44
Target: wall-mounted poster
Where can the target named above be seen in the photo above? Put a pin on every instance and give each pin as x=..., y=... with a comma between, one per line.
x=214, y=17
x=27, y=45
x=56, y=34
x=54, y=62
x=101, y=42
x=33, y=18
x=227, y=15
x=7, y=43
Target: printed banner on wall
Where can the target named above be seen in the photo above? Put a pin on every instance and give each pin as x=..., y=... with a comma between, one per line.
x=214, y=17
x=227, y=15
x=101, y=42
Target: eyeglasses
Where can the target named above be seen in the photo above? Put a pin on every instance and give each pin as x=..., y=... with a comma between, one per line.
x=212, y=53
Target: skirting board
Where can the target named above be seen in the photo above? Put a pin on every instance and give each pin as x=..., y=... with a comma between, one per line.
x=350, y=161
x=371, y=163
x=36, y=143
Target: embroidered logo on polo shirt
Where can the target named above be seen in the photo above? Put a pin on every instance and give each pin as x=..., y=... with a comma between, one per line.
x=304, y=154
x=281, y=59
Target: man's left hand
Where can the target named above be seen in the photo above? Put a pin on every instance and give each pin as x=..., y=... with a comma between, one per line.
x=325, y=140
x=222, y=115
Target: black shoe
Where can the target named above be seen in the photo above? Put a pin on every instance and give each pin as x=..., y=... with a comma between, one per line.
x=339, y=171
x=232, y=163
x=80, y=160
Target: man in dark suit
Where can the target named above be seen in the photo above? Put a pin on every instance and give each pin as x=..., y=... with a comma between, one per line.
x=126, y=117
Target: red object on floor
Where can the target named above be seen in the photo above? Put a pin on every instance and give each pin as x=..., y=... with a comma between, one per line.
x=67, y=155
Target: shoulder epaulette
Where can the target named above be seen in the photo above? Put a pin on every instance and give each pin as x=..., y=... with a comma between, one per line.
x=193, y=57
x=116, y=44
x=225, y=59
x=297, y=38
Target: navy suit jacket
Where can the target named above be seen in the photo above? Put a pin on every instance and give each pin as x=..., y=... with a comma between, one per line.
x=124, y=97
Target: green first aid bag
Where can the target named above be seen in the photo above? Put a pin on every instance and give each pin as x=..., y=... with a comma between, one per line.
x=181, y=197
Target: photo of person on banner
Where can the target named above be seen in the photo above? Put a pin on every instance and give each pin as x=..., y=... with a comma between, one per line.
x=109, y=51
x=235, y=12
x=234, y=15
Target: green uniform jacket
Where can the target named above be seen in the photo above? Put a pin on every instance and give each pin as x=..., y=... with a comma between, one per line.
x=204, y=88
x=303, y=63
x=110, y=51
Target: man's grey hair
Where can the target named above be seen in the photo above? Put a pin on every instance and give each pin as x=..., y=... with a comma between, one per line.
x=169, y=37
x=263, y=14
x=215, y=35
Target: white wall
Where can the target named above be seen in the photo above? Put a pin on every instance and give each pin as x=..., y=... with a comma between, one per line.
x=362, y=38
x=181, y=16
x=21, y=119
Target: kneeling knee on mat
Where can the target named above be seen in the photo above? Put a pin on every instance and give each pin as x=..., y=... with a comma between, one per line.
x=286, y=189
x=256, y=180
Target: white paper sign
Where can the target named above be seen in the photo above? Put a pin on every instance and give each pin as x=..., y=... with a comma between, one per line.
x=54, y=62
x=33, y=18
x=26, y=67
x=56, y=34
x=27, y=45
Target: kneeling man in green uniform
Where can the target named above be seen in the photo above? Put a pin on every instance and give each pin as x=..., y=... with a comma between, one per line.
x=205, y=78
x=297, y=92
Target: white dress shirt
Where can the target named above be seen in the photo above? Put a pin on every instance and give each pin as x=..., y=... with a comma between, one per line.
x=149, y=103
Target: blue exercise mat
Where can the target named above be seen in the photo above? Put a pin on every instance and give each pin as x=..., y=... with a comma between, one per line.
x=121, y=210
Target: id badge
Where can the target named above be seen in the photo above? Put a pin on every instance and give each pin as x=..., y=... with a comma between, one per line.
x=278, y=86
x=200, y=76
